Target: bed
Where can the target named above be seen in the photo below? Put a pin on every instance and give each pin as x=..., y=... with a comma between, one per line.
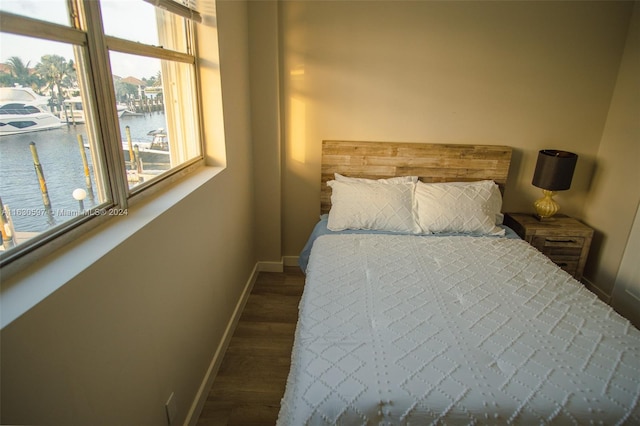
x=441, y=317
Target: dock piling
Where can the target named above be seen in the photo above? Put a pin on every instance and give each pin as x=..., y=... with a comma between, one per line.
x=85, y=164
x=136, y=152
x=40, y=174
x=66, y=114
x=132, y=159
x=73, y=115
x=6, y=228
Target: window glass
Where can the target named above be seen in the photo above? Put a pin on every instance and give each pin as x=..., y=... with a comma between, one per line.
x=141, y=22
x=48, y=173
x=158, y=118
x=46, y=10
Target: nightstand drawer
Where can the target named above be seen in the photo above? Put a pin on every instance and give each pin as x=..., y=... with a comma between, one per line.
x=569, y=265
x=558, y=245
x=564, y=240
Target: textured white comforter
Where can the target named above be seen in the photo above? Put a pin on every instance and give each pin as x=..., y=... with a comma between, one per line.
x=407, y=330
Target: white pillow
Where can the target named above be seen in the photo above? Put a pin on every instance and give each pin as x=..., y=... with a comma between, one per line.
x=398, y=179
x=470, y=207
x=372, y=205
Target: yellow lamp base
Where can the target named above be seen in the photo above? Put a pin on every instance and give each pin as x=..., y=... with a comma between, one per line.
x=546, y=206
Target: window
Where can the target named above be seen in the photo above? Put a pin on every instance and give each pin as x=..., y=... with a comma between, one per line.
x=98, y=104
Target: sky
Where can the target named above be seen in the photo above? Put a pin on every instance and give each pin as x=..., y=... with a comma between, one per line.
x=137, y=24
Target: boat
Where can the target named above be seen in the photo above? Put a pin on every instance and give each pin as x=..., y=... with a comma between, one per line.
x=73, y=110
x=155, y=152
x=22, y=111
x=152, y=154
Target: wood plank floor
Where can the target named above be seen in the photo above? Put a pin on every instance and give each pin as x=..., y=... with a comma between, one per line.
x=253, y=373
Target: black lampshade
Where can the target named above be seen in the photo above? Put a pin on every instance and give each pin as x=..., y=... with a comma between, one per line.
x=554, y=169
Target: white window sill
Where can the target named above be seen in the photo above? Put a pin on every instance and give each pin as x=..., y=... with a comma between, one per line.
x=26, y=288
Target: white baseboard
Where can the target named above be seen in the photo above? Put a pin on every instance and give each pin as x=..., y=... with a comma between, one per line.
x=278, y=266
x=290, y=260
x=597, y=291
x=270, y=266
x=216, y=361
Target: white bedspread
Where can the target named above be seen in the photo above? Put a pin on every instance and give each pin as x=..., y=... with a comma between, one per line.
x=406, y=330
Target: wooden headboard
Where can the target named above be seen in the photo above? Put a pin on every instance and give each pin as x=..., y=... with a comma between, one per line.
x=430, y=162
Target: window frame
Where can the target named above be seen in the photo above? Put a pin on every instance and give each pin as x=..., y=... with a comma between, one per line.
x=97, y=45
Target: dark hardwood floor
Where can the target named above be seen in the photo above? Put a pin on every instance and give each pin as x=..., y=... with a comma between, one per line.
x=253, y=373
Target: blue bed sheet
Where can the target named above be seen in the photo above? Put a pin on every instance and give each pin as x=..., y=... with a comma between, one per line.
x=321, y=229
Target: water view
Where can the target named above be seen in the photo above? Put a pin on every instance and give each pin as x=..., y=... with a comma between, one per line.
x=63, y=169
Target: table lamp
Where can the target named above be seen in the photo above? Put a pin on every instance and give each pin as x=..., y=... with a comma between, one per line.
x=554, y=171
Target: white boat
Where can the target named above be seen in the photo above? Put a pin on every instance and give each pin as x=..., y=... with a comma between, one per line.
x=154, y=152
x=73, y=111
x=22, y=111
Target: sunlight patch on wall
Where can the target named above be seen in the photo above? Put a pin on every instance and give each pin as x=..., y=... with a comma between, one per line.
x=297, y=130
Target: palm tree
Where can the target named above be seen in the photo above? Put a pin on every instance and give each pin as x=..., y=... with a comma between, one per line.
x=20, y=71
x=57, y=73
x=154, y=80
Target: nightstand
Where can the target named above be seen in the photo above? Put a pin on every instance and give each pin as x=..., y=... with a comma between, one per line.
x=562, y=239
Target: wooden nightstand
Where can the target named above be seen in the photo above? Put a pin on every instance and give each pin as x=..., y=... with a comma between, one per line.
x=564, y=240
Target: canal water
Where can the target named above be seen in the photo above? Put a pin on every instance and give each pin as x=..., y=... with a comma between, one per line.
x=62, y=166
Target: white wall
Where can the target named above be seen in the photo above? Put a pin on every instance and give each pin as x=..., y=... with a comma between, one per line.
x=110, y=346
x=615, y=190
x=265, y=122
x=626, y=291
